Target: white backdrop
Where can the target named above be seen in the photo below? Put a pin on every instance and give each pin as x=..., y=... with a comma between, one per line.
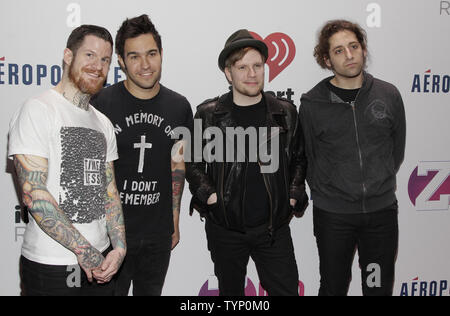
x=409, y=47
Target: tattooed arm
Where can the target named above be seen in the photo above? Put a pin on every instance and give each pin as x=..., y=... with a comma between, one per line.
x=32, y=172
x=178, y=176
x=116, y=229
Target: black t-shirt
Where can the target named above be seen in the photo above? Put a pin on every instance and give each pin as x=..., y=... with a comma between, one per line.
x=143, y=172
x=255, y=197
x=347, y=95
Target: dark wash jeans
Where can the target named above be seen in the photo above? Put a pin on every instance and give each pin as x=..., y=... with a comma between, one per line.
x=146, y=264
x=59, y=280
x=274, y=259
x=374, y=235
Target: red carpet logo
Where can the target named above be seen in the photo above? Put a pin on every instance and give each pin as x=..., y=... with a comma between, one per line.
x=281, y=52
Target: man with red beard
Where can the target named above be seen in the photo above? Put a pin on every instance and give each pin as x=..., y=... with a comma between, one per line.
x=63, y=151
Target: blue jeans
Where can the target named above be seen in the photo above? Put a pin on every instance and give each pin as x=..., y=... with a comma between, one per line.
x=59, y=280
x=374, y=235
x=146, y=264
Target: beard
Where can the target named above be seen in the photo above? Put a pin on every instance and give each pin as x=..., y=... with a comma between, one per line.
x=349, y=74
x=86, y=86
x=250, y=92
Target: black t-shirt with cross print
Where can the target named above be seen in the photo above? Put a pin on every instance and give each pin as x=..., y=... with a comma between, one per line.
x=143, y=172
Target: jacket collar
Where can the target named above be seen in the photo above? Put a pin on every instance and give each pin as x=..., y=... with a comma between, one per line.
x=322, y=93
x=225, y=104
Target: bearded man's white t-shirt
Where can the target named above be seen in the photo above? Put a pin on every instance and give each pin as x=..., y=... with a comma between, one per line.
x=77, y=144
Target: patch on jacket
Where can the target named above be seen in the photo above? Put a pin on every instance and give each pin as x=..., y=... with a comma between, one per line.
x=378, y=110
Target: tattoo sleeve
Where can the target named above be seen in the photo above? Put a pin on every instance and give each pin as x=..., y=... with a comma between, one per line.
x=114, y=214
x=32, y=174
x=178, y=177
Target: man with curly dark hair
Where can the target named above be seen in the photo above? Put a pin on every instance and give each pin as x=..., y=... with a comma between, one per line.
x=354, y=129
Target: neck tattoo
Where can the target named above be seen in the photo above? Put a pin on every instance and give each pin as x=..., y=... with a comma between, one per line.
x=80, y=99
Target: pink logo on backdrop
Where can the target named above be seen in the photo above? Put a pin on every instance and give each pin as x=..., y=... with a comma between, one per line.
x=210, y=288
x=429, y=186
x=281, y=52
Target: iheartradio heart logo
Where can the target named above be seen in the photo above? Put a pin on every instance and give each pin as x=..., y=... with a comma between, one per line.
x=281, y=52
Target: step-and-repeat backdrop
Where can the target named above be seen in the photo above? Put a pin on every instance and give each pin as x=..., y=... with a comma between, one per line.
x=409, y=46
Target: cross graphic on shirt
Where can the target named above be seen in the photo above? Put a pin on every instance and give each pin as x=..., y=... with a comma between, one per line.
x=142, y=146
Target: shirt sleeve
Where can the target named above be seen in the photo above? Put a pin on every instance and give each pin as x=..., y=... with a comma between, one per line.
x=111, y=142
x=29, y=131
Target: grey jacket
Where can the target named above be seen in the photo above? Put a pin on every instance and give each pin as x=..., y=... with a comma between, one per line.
x=353, y=150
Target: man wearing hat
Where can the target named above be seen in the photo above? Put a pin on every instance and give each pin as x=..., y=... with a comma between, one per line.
x=248, y=208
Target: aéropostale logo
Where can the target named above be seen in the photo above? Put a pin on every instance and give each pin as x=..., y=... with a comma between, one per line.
x=429, y=186
x=419, y=287
x=430, y=82
x=15, y=74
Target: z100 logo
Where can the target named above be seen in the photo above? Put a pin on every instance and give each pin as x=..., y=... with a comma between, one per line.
x=431, y=83
x=425, y=288
x=210, y=288
x=429, y=186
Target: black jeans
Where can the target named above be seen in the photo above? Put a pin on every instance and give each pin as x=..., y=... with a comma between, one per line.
x=374, y=235
x=146, y=264
x=59, y=280
x=274, y=259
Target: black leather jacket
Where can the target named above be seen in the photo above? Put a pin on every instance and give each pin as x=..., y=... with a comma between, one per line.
x=225, y=179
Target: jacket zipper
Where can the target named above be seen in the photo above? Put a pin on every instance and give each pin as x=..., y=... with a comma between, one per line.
x=222, y=194
x=267, y=189
x=361, y=164
x=271, y=205
x=245, y=193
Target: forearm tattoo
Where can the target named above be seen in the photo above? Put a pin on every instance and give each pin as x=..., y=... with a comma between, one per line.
x=114, y=214
x=32, y=174
x=178, y=176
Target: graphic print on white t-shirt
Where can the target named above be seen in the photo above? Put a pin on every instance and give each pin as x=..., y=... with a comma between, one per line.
x=83, y=177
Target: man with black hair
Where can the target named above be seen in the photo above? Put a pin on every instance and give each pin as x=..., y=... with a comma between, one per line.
x=150, y=182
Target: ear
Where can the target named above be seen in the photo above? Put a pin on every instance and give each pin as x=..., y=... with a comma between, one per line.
x=121, y=63
x=327, y=62
x=68, y=56
x=228, y=75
